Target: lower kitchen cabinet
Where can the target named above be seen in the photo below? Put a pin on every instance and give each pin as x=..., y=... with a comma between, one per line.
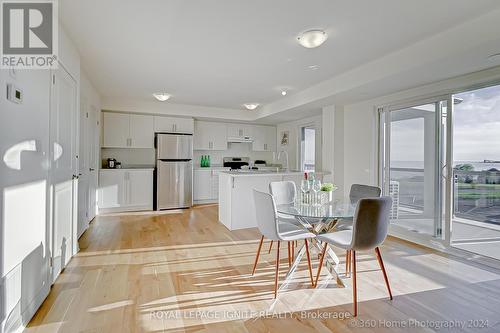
x=123, y=190
x=206, y=185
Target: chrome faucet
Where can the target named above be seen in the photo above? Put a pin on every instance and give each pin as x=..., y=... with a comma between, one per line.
x=286, y=158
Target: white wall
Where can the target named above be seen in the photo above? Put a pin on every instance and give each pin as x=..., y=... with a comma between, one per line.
x=293, y=147
x=24, y=183
x=233, y=150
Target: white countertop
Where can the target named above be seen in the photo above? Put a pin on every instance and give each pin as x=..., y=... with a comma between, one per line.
x=261, y=173
x=130, y=167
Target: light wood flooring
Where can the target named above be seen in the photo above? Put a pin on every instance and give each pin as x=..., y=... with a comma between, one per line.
x=185, y=272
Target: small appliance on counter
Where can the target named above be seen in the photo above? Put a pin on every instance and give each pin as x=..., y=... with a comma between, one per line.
x=111, y=163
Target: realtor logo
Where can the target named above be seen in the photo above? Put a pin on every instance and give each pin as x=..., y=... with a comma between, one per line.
x=29, y=34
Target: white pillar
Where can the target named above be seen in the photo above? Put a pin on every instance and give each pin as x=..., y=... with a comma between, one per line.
x=333, y=145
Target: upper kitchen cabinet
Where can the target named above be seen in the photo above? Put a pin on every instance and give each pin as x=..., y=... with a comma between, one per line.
x=116, y=129
x=173, y=125
x=239, y=130
x=141, y=134
x=210, y=136
x=123, y=130
x=264, y=138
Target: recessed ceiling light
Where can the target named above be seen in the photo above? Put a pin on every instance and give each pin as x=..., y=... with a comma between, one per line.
x=162, y=97
x=251, y=106
x=283, y=92
x=313, y=67
x=494, y=57
x=312, y=38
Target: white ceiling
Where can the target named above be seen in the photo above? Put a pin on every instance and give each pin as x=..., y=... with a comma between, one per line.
x=223, y=53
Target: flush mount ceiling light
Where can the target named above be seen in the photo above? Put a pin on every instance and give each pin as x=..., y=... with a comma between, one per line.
x=162, y=97
x=494, y=57
x=283, y=92
x=312, y=38
x=251, y=106
x=313, y=67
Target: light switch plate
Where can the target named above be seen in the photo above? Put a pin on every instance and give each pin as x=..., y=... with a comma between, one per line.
x=14, y=94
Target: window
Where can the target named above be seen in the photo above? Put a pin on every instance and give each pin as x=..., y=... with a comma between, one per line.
x=307, y=148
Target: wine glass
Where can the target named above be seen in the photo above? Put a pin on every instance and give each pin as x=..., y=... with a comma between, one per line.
x=316, y=187
x=304, y=187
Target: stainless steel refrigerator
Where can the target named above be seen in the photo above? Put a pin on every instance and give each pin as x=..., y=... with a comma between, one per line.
x=174, y=171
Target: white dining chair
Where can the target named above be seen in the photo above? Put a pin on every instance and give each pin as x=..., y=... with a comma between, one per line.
x=357, y=192
x=285, y=192
x=370, y=226
x=270, y=228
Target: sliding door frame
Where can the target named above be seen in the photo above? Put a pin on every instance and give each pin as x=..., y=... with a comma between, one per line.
x=443, y=166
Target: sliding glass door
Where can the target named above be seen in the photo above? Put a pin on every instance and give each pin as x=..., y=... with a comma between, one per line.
x=476, y=172
x=412, y=160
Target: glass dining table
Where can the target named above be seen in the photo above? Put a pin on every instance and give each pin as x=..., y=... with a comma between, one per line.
x=310, y=216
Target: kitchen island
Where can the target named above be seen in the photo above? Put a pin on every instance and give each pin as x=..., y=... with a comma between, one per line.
x=236, y=205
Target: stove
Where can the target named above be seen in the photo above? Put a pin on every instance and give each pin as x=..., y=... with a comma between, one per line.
x=235, y=163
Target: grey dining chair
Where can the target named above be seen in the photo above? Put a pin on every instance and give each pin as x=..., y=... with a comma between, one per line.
x=370, y=226
x=267, y=222
x=285, y=192
x=357, y=192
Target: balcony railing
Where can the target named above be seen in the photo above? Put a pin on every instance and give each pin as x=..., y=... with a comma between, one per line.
x=477, y=195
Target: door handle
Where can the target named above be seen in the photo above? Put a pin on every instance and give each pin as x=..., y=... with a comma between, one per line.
x=91, y=169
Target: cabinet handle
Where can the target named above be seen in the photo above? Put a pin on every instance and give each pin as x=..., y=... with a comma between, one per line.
x=265, y=146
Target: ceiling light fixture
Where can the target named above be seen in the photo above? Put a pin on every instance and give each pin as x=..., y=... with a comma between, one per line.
x=494, y=57
x=283, y=92
x=313, y=67
x=312, y=38
x=251, y=106
x=162, y=97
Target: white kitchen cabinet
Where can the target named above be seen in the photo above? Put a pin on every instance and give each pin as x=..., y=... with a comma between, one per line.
x=140, y=188
x=116, y=129
x=264, y=138
x=123, y=190
x=141, y=131
x=202, y=184
x=112, y=189
x=239, y=130
x=210, y=136
x=123, y=130
x=236, y=203
x=206, y=184
x=173, y=125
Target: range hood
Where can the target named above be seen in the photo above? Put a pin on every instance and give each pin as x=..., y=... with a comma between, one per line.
x=241, y=139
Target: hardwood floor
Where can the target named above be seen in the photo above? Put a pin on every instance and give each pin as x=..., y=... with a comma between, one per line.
x=184, y=271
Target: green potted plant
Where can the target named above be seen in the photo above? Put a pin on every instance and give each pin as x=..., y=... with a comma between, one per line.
x=327, y=192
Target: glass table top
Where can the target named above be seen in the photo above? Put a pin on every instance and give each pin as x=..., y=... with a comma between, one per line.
x=332, y=210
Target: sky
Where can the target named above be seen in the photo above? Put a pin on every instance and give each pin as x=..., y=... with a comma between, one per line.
x=477, y=125
x=476, y=130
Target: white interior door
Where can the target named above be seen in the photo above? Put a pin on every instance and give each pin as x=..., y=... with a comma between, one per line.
x=83, y=179
x=93, y=158
x=64, y=169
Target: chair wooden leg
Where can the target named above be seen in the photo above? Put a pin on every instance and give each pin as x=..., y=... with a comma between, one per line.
x=270, y=247
x=354, y=286
x=309, y=262
x=289, y=256
x=257, y=256
x=293, y=251
x=347, y=261
x=323, y=253
x=277, y=271
x=381, y=263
